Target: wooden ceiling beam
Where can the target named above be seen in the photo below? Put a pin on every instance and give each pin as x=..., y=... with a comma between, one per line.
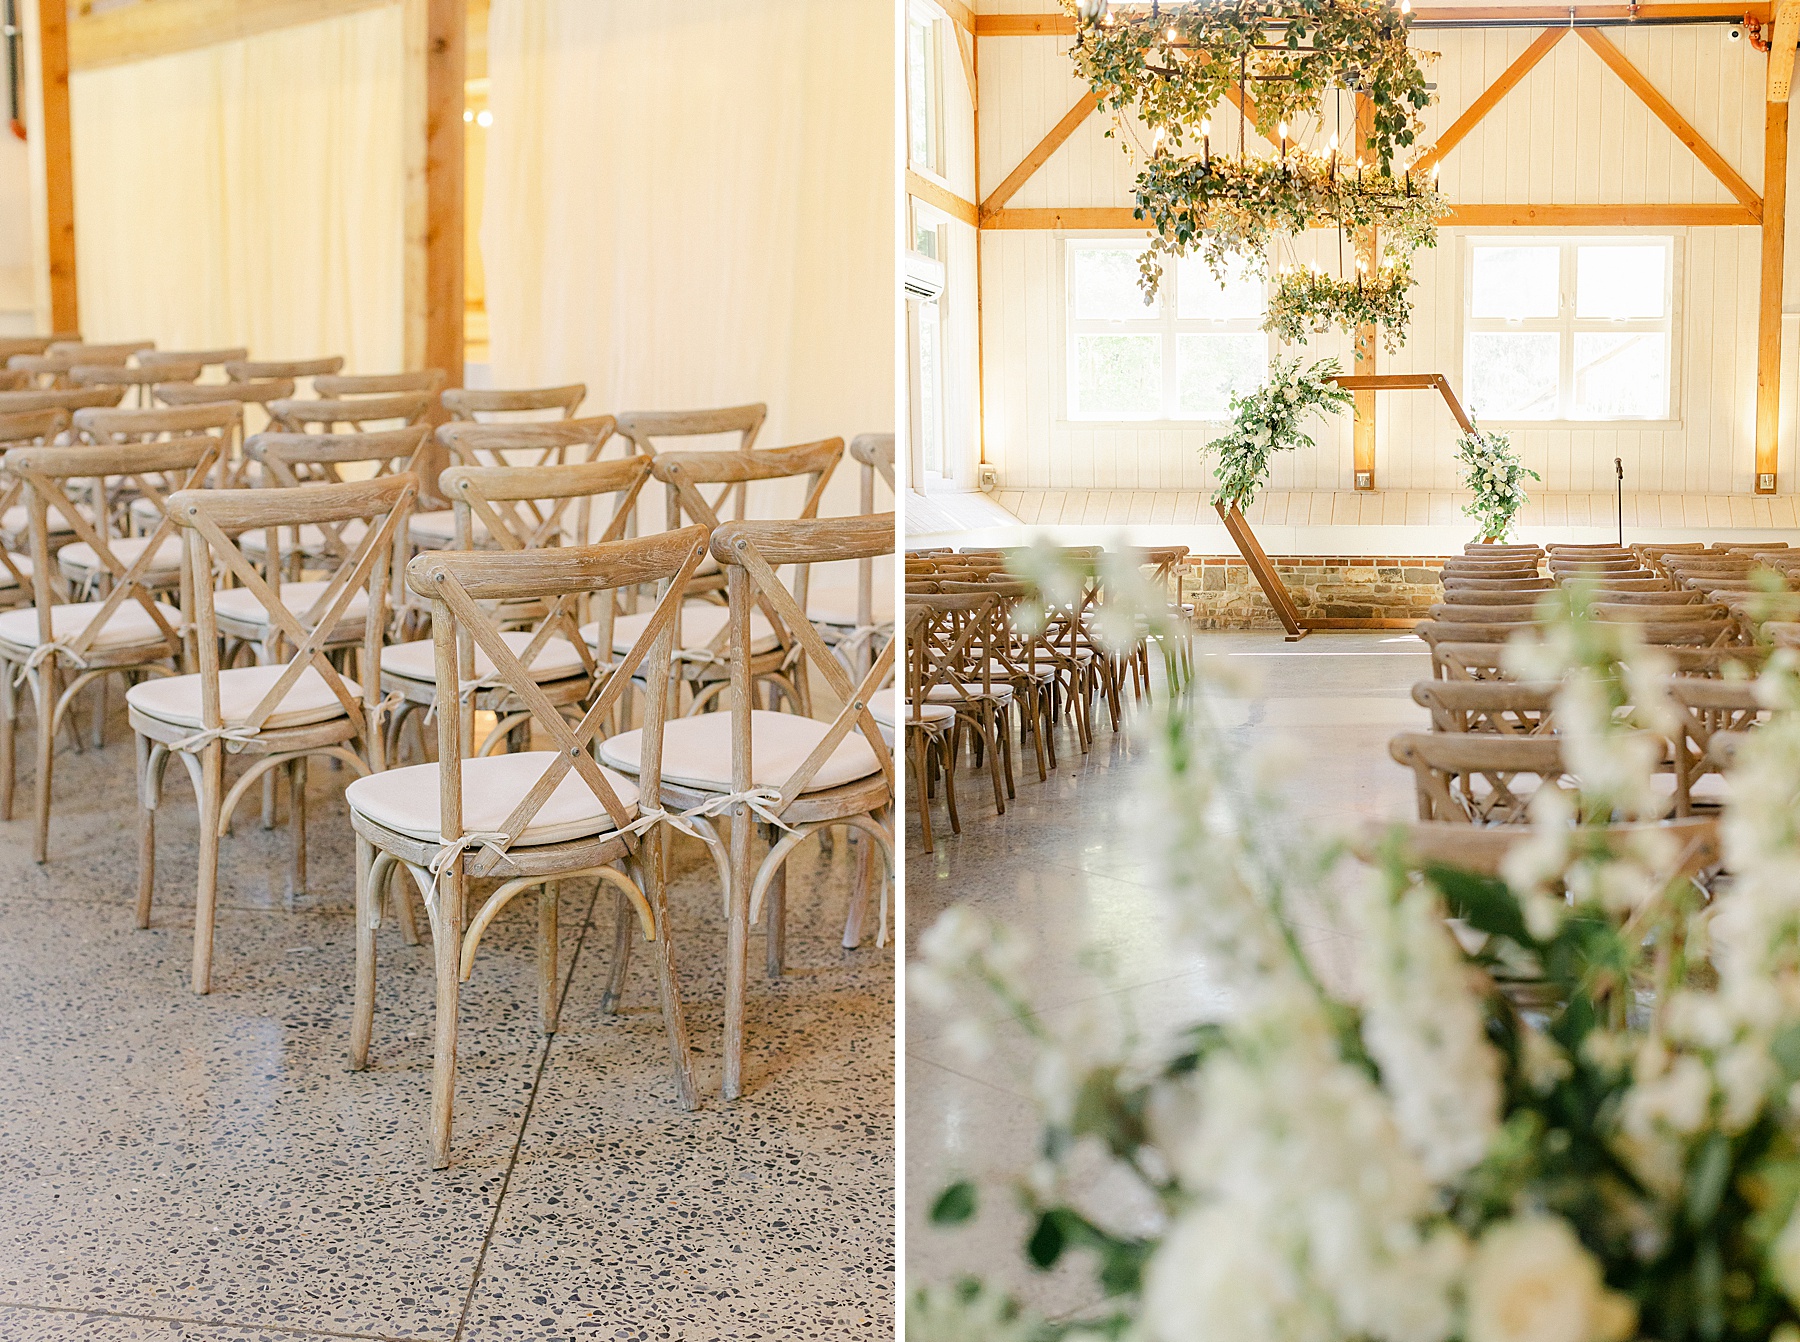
x=1490, y=97
x=1061, y=25
x=923, y=188
x=1666, y=113
x=1040, y=154
x=1784, y=36
x=1120, y=219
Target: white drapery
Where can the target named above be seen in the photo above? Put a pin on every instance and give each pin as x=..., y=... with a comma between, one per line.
x=248, y=193
x=693, y=206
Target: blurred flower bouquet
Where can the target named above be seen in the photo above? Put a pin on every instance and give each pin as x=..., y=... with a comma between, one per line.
x=1420, y=1157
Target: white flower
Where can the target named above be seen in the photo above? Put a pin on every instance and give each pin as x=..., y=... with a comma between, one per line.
x=1532, y=1281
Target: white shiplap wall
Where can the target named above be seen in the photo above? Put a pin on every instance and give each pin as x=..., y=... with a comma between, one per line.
x=1570, y=133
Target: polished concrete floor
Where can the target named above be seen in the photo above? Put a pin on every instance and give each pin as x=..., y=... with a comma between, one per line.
x=210, y=1168
x=1066, y=865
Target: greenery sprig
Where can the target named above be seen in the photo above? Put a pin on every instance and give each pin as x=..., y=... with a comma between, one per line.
x=1309, y=301
x=1267, y=421
x=1492, y=470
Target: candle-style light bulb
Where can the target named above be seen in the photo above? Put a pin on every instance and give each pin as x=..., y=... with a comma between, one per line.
x=1206, y=141
x=1406, y=6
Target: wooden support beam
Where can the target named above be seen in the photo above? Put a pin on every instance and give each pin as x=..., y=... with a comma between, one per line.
x=1784, y=36
x=959, y=14
x=923, y=188
x=59, y=167
x=1119, y=217
x=1665, y=112
x=1768, y=315
x=1040, y=155
x=435, y=51
x=1264, y=572
x=1410, y=382
x=1472, y=115
x=149, y=28
x=1368, y=251
x=965, y=47
x=1061, y=25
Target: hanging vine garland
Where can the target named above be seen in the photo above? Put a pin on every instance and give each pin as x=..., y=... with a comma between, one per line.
x=1309, y=301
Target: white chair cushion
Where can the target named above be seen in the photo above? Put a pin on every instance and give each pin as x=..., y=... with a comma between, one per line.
x=129, y=624
x=18, y=518
x=176, y=699
x=312, y=538
x=441, y=527
x=557, y=659
x=884, y=703
x=240, y=603
x=946, y=694
x=697, y=751
x=406, y=800
x=701, y=622
x=20, y=562
x=80, y=557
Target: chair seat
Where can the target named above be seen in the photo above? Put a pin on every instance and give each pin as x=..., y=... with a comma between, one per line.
x=18, y=518
x=557, y=659
x=20, y=562
x=883, y=703
x=406, y=800
x=697, y=752
x=701, y=622
x=128, y=626
x=176, y=699
x=240, y=604
x=439, y=528
x=1041, y=673
x=946, y=694
x=80, y=557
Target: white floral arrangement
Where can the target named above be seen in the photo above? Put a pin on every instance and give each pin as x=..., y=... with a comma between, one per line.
x=1267, y=420
x=1492, y=471
x=1422, y=1159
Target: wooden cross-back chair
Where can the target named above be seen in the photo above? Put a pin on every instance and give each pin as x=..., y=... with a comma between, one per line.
x=258, y=370
x=281, y=714
x=783, y=771
x=140, y=379
x=855, y=630
x=14, y=379
x=11, y=345
x=29, y=428
x=1707, y=708
x=298, y=415
x=552, y=443
x=96, y=424
x=954, y=646
x=927, y=727
x=288, y=460
x=779, y=661
x=1022, y=661
x=71, y=399
x=1480, y=778
x=52, y=370
x=467, y=404
x=545, y=637
x=246, y=394
x=643, y=428
x=127, y=631
x=529, y=819
x=1506, y=708
x=205, y=358
x=335, y=386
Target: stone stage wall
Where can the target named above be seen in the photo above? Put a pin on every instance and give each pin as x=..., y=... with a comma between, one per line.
x=1328, y=587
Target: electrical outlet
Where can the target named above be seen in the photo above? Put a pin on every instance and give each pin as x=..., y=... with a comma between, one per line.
x=1365, y=479
x=990, y=478
x=1766, y=482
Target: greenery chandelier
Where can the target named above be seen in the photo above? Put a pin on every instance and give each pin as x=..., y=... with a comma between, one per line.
x=1173, y=66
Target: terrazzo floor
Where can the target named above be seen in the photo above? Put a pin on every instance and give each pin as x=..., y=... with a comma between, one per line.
x=1066, y=866
x=209, y=1168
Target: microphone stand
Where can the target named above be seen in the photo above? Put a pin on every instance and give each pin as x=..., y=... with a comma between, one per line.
x=1619, y=492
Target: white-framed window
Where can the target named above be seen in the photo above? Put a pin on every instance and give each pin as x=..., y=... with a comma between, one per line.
x=1569, y=327
x=925, y=336
x=924, y=88
x=1181, y=357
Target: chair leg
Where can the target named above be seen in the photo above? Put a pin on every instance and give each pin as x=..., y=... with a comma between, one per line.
x=986, y=736
x=268, y=799
x=9, y=739
x=206, y=895
x=737, y=948
x=624, y=930
x=98, y=727
x=296, y=772
x=862, y=892
x=447, y=948
x=922, y=785
x=652, y=876
x=547, y=958
x=400, y=898
x=146, y=833
x=44, y=684
x=362, y=1015
x=775, y=920
x=950, y=800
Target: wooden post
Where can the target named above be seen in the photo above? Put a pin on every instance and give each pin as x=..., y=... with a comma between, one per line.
x=1263, y=571
x=436, y=46
x=59, y=169
x=1768, y=320
x=1367, y=246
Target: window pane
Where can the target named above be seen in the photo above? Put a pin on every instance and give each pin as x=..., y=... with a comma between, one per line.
x=1210, y=369
x=1512, y=375
x=1622, y=376
x=931, y=382
x=1118, y=375
x=1515, y=282
x=925, y=241
x=1199, y=295
x=1620, y=281
x=1106, y=285
x=918, y=92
